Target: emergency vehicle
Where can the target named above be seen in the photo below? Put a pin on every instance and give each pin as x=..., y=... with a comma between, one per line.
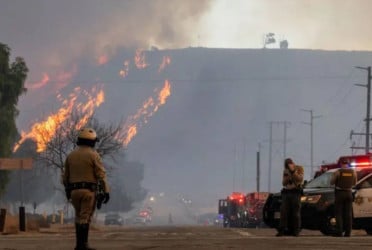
x=354, y=160
x=325, y=167
x=317, y=201
x=144, y=216
x=242, y=210
x=255, y=203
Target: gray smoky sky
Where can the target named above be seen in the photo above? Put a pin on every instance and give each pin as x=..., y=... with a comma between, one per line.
x=312, y=24
x=329, y=24
x=221, y=99
x=50, y=34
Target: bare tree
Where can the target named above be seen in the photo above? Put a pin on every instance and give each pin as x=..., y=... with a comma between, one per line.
x=59, y=143
x=52, y=143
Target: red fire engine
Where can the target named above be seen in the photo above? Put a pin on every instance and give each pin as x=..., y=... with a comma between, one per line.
x=242, y=210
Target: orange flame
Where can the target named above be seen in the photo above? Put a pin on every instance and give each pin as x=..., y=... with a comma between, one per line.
x=166, y=61
x=140, y=59
x=124, y=72
x=40, y=84
x=132, y=131
x=44, y=131
x=148, y=109
x=61, y=78
x=164, y=93
x=64, y=77
x=103, y=59
x=88, y=108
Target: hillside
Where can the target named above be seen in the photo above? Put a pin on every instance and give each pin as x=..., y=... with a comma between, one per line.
x=223, y=99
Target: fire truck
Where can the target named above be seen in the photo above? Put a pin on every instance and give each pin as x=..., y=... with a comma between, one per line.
x=242, y=210
x=255, y=203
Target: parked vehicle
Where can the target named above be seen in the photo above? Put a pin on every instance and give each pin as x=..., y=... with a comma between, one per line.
x=140, y=220
x=114, y=219
x=317, y=204
x=364, y=160
x=242, y=210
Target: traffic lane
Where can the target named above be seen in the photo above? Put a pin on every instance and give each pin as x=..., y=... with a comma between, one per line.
x=207, y=244
x=245, y=239
x=185, y=238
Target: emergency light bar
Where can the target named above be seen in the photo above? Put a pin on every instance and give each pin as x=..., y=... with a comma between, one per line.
x=236, y=196
x=360, y=164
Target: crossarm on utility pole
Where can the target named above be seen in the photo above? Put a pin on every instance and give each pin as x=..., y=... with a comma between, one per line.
x=368, y=115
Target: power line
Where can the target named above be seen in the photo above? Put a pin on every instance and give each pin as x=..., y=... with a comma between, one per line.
x=274, y=78
x=342, y=99
x=311, y=123
x=335, y=153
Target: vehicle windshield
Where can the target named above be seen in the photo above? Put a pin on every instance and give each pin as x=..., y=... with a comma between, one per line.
x=322, y=181
x=363, y=172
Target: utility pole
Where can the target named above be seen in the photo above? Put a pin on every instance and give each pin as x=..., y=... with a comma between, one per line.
x=354, y=147
x=244, y=162
x=368, y=115
x=311, y=123
x=270, y=156
x=234, y=163
x=285, y=123
x=258, y=168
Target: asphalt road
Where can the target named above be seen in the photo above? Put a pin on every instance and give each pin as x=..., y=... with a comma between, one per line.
x=182, y=237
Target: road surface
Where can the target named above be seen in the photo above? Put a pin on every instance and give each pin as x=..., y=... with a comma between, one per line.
x=182, y=237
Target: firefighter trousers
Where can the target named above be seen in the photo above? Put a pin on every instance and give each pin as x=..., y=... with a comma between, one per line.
x=83, y=201
x=290, y=211
x=343, y=211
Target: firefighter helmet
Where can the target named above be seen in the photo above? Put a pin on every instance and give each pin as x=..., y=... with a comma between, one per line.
x=288, y=161
x=87, y=134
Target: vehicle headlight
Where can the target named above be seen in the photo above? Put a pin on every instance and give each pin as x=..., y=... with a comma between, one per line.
x=311, y=198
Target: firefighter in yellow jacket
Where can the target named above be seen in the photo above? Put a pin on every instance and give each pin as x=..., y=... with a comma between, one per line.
x=290, y=210
x=344, y=179
x=83, y=171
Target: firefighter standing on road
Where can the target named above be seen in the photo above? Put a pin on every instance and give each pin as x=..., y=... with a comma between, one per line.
x=83, y=170
x=290, y=214
x=344, y=179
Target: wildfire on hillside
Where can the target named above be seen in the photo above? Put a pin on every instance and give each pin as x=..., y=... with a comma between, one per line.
x=125, y=71
x=42, y=132
x=166, y=61
x=148, y=109
x=140, y=59
x=40, y=84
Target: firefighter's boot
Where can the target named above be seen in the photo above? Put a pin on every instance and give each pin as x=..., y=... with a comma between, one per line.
x=85, y=237
x=79, y=237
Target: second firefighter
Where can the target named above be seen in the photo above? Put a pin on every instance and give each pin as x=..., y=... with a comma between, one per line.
x=290, y=214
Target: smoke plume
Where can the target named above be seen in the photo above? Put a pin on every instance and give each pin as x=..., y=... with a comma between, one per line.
x=51, y=34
